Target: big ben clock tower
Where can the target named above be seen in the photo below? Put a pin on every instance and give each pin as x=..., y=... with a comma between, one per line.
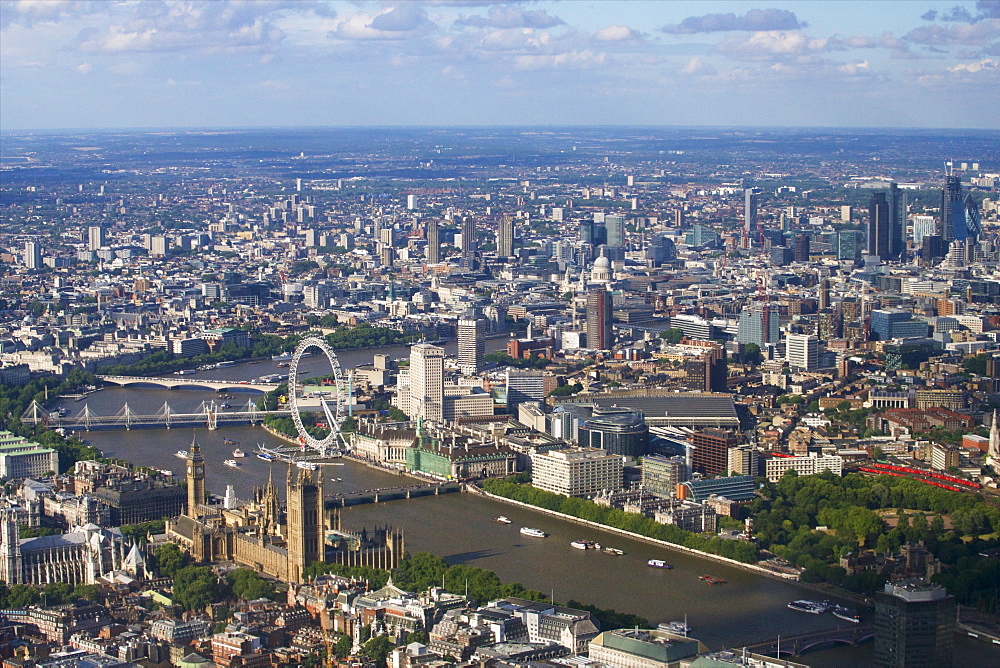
x=195, y=479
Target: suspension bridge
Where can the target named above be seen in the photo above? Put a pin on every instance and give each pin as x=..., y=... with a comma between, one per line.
x=208, y=414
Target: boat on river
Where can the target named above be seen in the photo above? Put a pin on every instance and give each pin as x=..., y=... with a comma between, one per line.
x=181, y=454
x=812, y=607
x=307, y=466
x=711, y=580
x=185, y=372
x=658, y=563
x=584, y=545
x=845, y=613
x=267, y=457
x=231, y=463
x=537, y=533
x=613, y=551
x=502, y=519
x=239, y=454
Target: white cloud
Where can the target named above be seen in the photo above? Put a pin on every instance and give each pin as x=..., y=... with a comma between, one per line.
x=987, y=64
x=696, y=66
x=617, y=33
x=774, y=44
x=84, y=68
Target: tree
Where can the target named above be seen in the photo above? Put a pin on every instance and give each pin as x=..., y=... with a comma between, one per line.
x=343, y=647
x=21, y=596
x=248, y=585
x=195, y=587
x=674, y=336
x=170, y=559
x=377, y=649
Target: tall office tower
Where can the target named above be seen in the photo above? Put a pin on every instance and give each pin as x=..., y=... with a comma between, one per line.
x=524, y=386
x=959, y=215
x=879, y=227
x=411, y=202
x=426, y=382
x=824, y=293
x=599, y=314
x=750, y=201
x=304, y=522
x=195, y=479
x=800, y=248
x=469, y=243
x=759, y=324
x=845, y=214
x=679, y=218
x=802, y=351
x=158, y=246
x=897, y=224
x=615, y=226
x=914, y=625
x=849, y=243
x=923, y=226
x=433, y=241
x=32, y=255
x=586, y=232
x=310, y=238
x=505, y=236
x=471, y=344
x=95, y=238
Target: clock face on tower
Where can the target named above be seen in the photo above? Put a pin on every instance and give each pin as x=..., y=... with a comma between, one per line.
x=199, y=470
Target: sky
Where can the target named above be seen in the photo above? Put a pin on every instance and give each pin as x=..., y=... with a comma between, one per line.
x=114, y=64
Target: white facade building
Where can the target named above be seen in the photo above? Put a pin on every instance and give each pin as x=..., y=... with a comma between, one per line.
x=805, y=465
x=576, y=471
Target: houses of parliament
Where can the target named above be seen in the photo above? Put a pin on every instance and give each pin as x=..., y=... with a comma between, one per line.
x=262, y=536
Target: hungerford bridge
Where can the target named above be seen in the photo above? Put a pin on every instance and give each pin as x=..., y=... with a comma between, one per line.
x=208, y=414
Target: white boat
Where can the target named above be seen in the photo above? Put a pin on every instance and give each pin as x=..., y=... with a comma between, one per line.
x=239, y=454
x=613, y=551
x=232, y=463
x=502, y=519
x=583, y=544
x=166, y=472
x=658, y=563
x=265, y=456
x=812, y=607
x=185, y=372
x=308, y=466
x=537, y=533
x=282, y=357
x=676, y=627
x=223, y=365
x=181, y=454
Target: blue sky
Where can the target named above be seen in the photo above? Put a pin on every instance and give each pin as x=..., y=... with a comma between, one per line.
x=234, y=63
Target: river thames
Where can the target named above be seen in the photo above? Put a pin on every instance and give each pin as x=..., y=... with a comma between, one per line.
x=460, y=528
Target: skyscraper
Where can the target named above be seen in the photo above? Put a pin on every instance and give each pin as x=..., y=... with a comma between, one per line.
x=897, y=218
x=95, y=238
x=32, y=255
x=800, y=248
x=505, y=236
x=426, y=382
x=879, y=227
x=471, y=344
x=599, y=314
x=433, y=241
x=914, y=625
x=750, y=201
x=615, y=226
x=802, y=351
x=759, y=324
x=959, y=215
x=849, y=244
x=469, y=244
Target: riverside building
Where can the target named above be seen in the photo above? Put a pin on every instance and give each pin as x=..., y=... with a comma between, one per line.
x=576, y=471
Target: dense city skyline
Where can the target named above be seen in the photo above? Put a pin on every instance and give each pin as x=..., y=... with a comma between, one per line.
x=229, y=64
